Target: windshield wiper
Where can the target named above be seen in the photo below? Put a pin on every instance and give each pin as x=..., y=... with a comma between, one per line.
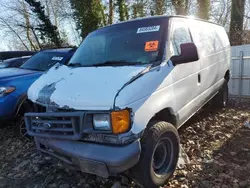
x=30, y=69
x=75, y=65
x=119, y=63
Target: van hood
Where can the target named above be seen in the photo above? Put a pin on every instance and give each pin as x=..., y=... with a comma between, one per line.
x=14, y=72
x=81, y=88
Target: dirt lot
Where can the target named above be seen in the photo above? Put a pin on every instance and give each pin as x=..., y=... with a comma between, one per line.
x=216, y=142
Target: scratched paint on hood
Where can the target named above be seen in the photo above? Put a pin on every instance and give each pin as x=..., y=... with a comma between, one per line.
x=82, y=88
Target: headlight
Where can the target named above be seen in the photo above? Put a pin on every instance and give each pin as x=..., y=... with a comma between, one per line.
x=101, y=122
x=119, y=122
x=6, y=90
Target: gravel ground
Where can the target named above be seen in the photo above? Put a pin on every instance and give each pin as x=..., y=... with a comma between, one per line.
x=216, y=142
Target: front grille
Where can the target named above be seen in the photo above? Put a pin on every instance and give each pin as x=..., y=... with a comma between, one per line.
x=59, y=125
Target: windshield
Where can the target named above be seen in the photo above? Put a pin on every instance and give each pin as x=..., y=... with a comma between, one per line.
x=42, y=61
x=136, y=42
x=13, y=62
x=3, y=64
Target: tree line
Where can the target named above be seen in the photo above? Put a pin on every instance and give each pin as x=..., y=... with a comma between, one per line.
x=39, y=24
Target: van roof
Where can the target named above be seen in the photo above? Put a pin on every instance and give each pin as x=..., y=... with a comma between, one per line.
x=62, y=50
x=161, y=17
x=199, y=19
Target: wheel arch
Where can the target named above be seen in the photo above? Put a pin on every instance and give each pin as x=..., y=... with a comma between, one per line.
x=166, y=114
x=227, y=75
x=23, y=105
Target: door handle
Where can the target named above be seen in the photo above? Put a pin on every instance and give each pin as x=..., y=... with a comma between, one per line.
x=199, y=78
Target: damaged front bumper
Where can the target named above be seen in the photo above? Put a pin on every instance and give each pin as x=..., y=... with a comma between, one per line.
x=61, y=135
x=92, y=158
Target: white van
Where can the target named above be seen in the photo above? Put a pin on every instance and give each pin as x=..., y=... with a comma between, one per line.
x=118, y=104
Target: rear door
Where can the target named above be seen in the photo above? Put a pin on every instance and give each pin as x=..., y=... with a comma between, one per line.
x=185, y=76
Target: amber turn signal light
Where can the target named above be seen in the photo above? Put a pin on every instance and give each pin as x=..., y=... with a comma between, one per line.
x=10, y=89
x=120, y=121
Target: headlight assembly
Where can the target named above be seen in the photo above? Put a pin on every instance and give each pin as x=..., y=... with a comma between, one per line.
x=6, y=90
x=102, y=122
x=117, y=121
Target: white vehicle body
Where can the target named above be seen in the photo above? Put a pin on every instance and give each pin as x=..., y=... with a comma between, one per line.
x=166, y=91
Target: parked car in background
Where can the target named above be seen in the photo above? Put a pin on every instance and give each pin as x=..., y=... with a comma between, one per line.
x=12, y=54
x=14, y=83
x=13, y=62
x=118, y=103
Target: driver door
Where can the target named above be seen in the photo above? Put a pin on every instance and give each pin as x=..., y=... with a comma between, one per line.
x=186, y=77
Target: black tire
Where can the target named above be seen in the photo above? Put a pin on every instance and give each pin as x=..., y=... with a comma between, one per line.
x=221, y=99
x=20, y=128
x=156, y=164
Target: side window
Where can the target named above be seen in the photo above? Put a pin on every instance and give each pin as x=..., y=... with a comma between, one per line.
x=180, y=35
x=209, y=38
x=13, y=63
x=19, y=62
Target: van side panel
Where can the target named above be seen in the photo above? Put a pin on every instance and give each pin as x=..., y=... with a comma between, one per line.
x=214, y=52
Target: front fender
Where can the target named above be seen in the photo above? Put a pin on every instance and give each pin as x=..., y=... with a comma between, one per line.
x=20, y=100
x=154, y=92
x=7, y=105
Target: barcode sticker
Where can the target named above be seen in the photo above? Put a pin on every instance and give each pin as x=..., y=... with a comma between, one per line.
x=148, y=29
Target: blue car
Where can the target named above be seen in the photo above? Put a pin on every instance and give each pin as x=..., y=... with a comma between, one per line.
x=14, y=62
x=14, y=83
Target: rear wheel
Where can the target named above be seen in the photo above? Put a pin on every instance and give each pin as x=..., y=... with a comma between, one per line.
x=159, y=156
x=221, y=99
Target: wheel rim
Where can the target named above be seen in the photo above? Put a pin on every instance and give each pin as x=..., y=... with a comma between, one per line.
x=23, y=130
x=162, y=157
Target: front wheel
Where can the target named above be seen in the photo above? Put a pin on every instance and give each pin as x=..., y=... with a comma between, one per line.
x=20, y=128
x=160, y=151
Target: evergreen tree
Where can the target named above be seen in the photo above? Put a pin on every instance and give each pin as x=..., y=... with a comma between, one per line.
x=138, y=9
x=122, y=10
x=88, y=15
x=158, y=7
x=45, y=27
x=126, y=11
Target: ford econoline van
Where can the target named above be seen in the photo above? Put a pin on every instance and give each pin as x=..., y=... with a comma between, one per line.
x=119, y=102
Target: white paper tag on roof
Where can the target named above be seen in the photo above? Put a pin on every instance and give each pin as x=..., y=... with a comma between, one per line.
x=148, y=29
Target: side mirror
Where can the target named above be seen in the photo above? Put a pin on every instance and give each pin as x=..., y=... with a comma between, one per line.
x=188, y=54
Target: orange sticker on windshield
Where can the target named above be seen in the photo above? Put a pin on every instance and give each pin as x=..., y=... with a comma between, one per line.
x=151, y=46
